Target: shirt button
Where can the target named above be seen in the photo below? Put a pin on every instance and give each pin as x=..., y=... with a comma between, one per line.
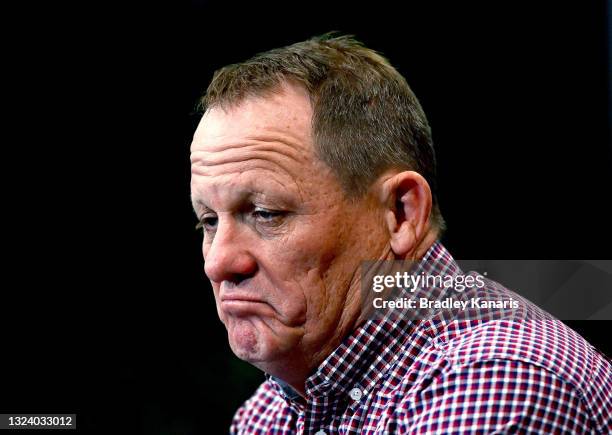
x=356, y=394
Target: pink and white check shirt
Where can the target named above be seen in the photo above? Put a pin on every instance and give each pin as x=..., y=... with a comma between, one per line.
x=396, y=375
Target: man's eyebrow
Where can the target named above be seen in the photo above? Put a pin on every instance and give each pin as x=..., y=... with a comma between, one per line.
x=199, y=206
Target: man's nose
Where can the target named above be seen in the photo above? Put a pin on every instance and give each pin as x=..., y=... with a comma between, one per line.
x=227, y=257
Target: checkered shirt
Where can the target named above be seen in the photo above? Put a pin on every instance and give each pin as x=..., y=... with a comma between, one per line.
x=397, y=375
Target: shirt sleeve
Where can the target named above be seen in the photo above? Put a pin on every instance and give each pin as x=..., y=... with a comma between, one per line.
x=497, y=397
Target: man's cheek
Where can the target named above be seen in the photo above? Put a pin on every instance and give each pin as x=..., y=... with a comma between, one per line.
x=287, y=292
x=291, y=308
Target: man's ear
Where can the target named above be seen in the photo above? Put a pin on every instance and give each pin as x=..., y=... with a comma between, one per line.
x=408, y=204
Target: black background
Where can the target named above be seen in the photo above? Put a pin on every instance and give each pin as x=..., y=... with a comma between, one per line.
x=105, y=309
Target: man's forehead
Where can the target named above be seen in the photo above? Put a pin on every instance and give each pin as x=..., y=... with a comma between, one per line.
x=286, y=113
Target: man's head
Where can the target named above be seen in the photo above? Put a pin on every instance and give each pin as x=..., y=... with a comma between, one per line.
x=308, y=160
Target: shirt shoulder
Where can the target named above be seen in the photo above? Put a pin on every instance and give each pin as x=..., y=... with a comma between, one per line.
x=527, y=334
x=497, y=396
x=541, y=359
x=548, y=343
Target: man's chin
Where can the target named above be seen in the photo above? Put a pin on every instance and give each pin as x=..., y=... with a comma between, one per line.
x=252, y=345
x=245, y=344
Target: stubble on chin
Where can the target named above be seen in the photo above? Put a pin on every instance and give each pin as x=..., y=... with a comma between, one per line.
x=244, y=339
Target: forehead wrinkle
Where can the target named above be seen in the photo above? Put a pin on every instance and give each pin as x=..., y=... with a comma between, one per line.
x=241, y=165
x=255, y=143
x=211, y=159
x=285, y=158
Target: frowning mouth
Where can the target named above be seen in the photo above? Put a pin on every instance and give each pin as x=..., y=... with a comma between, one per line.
x=241, y=298
x=245, y=305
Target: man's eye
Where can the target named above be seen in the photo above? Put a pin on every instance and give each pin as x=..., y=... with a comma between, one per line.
x=264, y=215
x=208, y=223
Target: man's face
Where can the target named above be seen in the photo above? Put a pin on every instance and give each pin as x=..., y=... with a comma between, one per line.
x=282, y=245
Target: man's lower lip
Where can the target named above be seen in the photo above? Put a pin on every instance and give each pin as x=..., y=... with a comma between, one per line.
x=239, y=303
x=241, y=307
x=244, y=301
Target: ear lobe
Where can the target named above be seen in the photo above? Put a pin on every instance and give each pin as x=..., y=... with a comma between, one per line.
x=407, y=216
x=403, y=240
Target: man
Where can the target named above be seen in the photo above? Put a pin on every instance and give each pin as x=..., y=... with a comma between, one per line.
x=309, y=161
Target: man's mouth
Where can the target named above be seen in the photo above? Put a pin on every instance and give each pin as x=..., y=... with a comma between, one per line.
x=241, y=298
x=244, y=305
